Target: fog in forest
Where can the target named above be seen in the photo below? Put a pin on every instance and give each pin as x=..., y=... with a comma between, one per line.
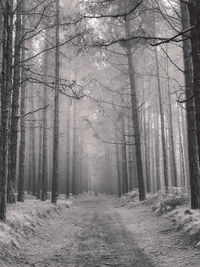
x=100, y=113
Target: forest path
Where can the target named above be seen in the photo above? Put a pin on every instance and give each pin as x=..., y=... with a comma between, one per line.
x=89, y=234
x=97, y=233
x=158, y=237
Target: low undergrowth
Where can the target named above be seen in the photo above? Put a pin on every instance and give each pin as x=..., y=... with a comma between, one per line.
x=23, y=219
x=163, y=203
x=130, y=199
x=188, y=221
x=176, y=205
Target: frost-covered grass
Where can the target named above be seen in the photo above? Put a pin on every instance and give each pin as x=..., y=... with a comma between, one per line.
x=176, y=204
x=188, y=221
x=23, y=218
x=130, y=199
x=163, y=203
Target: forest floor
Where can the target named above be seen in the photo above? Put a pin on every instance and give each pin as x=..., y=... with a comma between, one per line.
x=98, y=231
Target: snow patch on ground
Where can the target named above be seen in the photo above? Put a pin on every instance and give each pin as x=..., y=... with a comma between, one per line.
x=24, y=217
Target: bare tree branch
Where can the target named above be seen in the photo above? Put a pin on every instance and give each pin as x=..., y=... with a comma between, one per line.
x=115, y=15
x=168, y=40
x=103, y=140
x=31, y=112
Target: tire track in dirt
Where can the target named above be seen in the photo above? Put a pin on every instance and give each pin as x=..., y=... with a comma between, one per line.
x=158, y=237
x=90, y=234
x=104, y=240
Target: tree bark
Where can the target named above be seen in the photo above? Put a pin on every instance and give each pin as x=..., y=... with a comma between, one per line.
x=135, y=116
x=15, y=108
x=1, y=42
x=30, y=169
x=20, y=194
x=124, y=161
x=194, y=12
x=6, y=87
x=74, y=170
x=118, y=168
x=80, y=163
x=147, y=154
x=193, y=151
x=171, y=133
x=130, y=155
x=39, y=179
x=45, y=133
x=181, y=152
x=68, y=149
x=56, y=111
x=34, y=188
x=162, y=122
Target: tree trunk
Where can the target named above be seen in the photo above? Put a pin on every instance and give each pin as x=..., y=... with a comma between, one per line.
x=1, y=48
x=162, y=122
x=34, y=187
x=193, y=152
x=146, y=133
x=181, y=152
x=77, y=151
x=74, y=173
x=124, y=160
x=20, y=195
x=118, y=169
x=1, y=42
x=30, y=169
x=45, y=133
x=39, y=180
x=194, y=12
x=80, y=163
x=171, y=134
x=152, y=152
x=135, y=116
x=15, y=107
x=6, y=86
x=68, y=149
x=157, y=149
x=56, y=111
x=130, y=155
x=185, y=147
x=147, y=156
x=86, y=173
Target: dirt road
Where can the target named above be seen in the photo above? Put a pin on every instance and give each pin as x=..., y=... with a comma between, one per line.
x=89, y=234
x=96, y=233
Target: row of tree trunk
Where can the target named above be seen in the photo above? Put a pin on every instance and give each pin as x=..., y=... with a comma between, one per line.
x=13, y=101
